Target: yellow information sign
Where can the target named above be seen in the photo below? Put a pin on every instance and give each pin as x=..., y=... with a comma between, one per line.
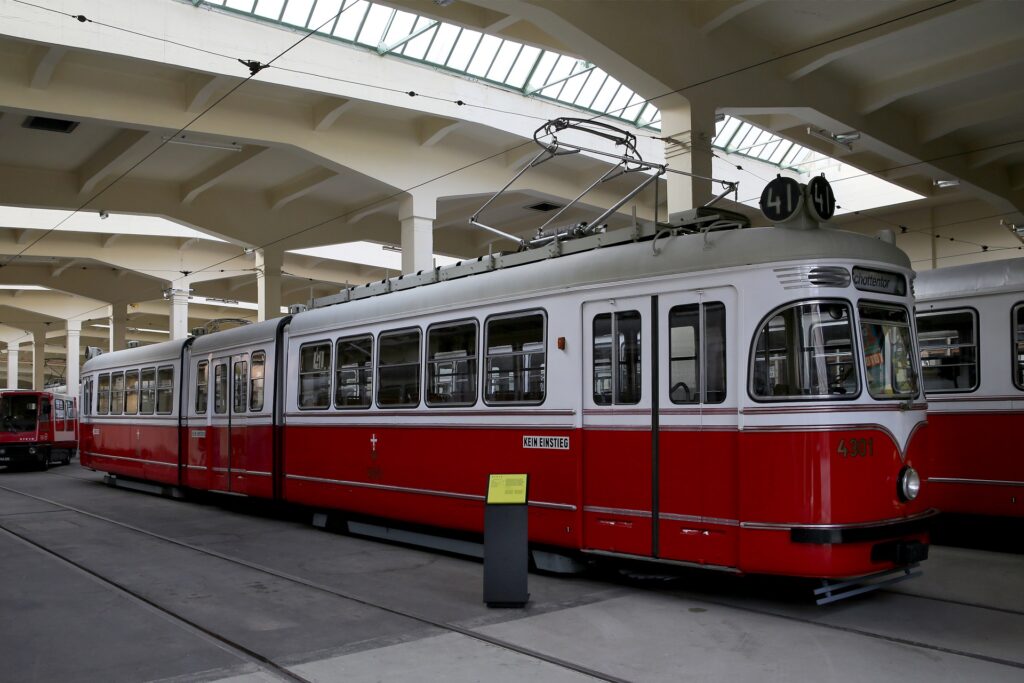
x=506, y=489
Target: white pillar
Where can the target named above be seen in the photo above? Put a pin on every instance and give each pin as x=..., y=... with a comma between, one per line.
x=73, y=351
x=118, y=327
x=38, y=358
x=12, y=365
x=417, y=214
x=690, y=128
x=268, y=283
x=179, y=311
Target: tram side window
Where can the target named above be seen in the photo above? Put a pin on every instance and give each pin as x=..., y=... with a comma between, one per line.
x=103, y=395
x=256, y=372
x=353, y=381
x=1018, y=345
x=220, y=388
x=240, y=387
x=202, y=386
x=315, y=376
x=147, y=394
x=117, y=393
x=398, y=368
x=165, y=390
x=58, y=414
x=697, y=354
x=87, y=397
x=890, y=358
x=131, y=392
x=949, y=350
x=515, y=361
x=805, y=351
x=617, y=363
x=451, y=364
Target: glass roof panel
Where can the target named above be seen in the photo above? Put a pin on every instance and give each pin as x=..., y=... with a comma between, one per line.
x=243, y=5
x=418, y=46
x=571, y=88
x=270, y=9
x=401, y=27
x=503, y=62
x=540, y=75
x=464, y=49
x=351, y=19
x=484, y=57
x=324, y=15
x=443, y=43
x=296, y=12
x=374, y=25
x=525, y=62
x=604, y=96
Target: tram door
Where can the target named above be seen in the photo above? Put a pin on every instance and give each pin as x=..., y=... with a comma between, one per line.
x=697, y=467
x=228, y=423
x=618, y=501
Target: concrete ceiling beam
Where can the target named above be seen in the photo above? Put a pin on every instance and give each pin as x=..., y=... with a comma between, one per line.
x=49, y=57
x=949, y=120
x=431, y=130
x=328, y=110
x=218, y=173
x=202, y=89
x=298, y=187
x=940, y=73
x=114, y=157
x=710, y=16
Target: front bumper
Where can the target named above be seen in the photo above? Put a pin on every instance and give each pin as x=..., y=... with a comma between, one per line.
x=18, y=454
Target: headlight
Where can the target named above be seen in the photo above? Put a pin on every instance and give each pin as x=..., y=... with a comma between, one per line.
x=31, y=450
x=909, y=484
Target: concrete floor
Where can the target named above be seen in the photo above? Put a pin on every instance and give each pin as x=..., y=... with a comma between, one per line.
x=87, y=600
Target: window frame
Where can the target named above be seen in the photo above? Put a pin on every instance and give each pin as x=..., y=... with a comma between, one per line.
x=143, y=391
x=120, y=401
x=976, y=316
x=156, y=404
x=475, y=357
x=1015, y=363
x=372, y=371
x=101, y=394
x=329, y=372
x=615, y=358
x=200, y=366
x=419, y=370
x=855, y=351
x=701, y=351
x=484, y=355
x=136, y=391
x=244, y=384
x=226, y=364
x=914, y=351
x=262, y=379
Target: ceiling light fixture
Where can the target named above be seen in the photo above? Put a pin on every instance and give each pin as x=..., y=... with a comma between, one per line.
x=184, y=140
x=946, y=182
x=842, y=139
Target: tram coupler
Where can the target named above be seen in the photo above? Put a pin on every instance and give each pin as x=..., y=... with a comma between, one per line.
x=834, y=591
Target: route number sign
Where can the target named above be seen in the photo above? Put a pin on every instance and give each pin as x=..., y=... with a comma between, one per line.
x=820, y=199
x=781, y=199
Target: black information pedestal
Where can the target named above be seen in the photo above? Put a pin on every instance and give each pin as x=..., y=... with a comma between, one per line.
x=506, y=552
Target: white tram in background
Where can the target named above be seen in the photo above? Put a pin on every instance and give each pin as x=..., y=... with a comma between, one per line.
x=745, y=400
x=971, y=331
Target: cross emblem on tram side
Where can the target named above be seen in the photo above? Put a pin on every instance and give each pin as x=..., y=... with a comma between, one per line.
x=373, y=443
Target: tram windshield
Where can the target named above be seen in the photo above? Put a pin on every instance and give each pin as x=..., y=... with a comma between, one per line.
x=18, y=413
x=889, y=356
x=806, y=351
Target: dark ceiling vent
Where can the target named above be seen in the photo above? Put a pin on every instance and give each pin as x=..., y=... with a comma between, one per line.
x=48, y=124
x=544, y=206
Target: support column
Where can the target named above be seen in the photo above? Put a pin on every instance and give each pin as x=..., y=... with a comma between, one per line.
x=72, y=354
x=12, y=364
x=268, y=283
x=690, y=128
x=118, y=327
x=417, y=214
x=179, y=292
x=38, y=357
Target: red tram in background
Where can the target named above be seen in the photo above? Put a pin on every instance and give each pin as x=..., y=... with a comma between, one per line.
x=737, y=399
x=37, y=428
x=971, y=331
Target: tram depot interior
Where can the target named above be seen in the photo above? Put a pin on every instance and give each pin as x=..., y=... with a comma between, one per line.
x=168, y=166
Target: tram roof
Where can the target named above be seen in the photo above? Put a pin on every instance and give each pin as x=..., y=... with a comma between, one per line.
x=245, y=335
x=681, y=254
x=164, y=352
x=973, y=278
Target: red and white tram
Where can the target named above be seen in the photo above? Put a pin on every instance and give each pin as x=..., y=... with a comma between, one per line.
x=37, y=428
x=740, y=399
x=971, y=331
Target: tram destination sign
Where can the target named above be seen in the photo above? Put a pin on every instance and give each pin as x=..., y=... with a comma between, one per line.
x=558, y=443
x=870, y=280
